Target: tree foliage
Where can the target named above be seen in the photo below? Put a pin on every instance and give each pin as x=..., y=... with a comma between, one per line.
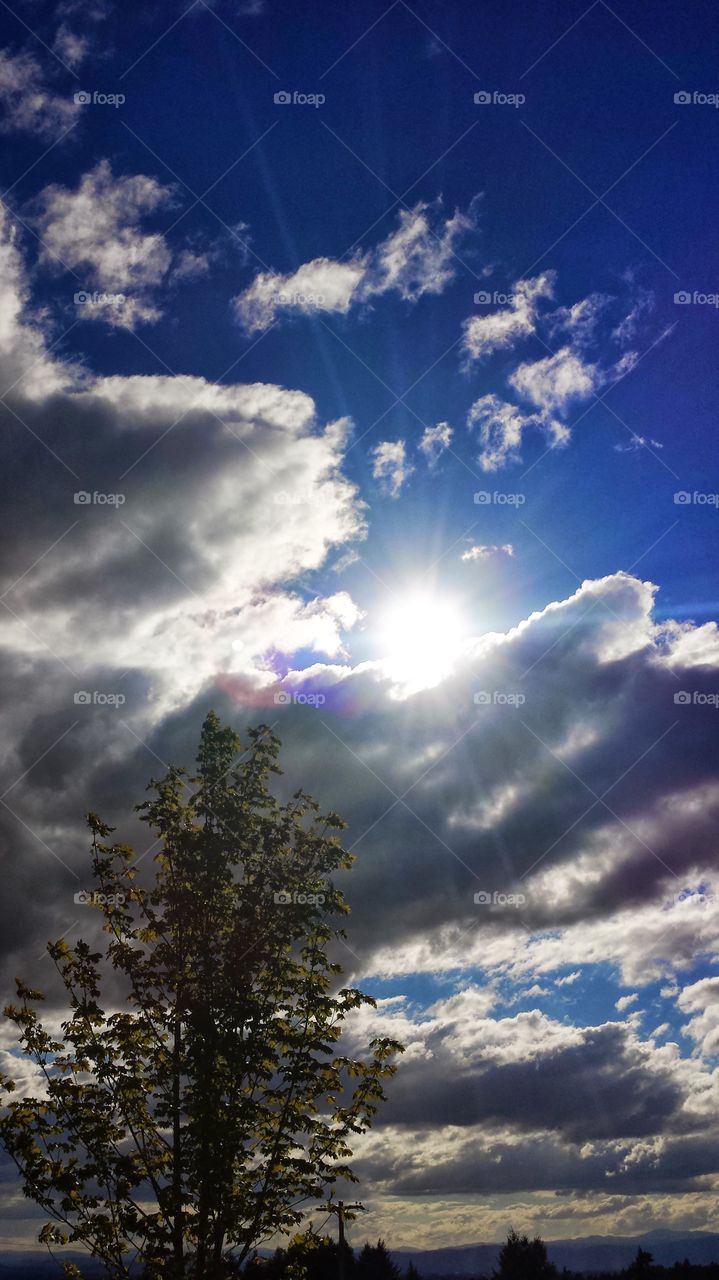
x=524, y=1259
x=193, y=1115
x=375, y=1263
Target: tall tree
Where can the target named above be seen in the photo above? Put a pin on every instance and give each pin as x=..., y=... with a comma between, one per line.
x=375, y=1263
x=524, y=1259
x=185, y=1123
x=641, y=1263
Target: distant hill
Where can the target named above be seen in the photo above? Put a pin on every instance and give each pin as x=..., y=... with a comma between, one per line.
x=594, y=1253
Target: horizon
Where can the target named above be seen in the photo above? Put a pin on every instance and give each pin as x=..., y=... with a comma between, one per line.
x=358, y=376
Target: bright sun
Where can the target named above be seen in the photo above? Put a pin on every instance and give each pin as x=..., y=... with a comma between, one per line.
x=420, y=639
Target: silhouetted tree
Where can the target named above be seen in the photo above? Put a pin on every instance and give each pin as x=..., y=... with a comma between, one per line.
x=641, y=1264
x=374, y=1263
x=192, y=1122
x=524, y=1259
x=310, y=1256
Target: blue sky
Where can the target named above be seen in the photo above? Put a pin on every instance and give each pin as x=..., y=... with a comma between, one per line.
x=397, y=389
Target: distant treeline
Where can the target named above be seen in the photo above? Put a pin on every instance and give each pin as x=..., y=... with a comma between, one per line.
x=520, y=1258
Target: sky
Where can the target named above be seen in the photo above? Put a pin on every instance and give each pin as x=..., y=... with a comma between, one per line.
x=358, y=377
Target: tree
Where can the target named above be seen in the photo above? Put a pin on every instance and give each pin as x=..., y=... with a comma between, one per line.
x=641, y=1263
x=193, y=1118
x=374, y=1263
x=524, y=1259
x=309, y=1255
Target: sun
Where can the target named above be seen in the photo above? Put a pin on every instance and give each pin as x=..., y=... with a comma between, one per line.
x=420, y=638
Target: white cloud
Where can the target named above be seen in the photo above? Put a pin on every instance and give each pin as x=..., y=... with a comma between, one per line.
x=701, y=1000
x=482, y=552
x=318, y=286
x=501, y=430
x=186, y=578
x=70, y=47
x=627, y=329
x=625, y=1002
x=569, y=979
x=517, y=319
x=96, y=230
x=580, y=320
x=435, y=440
x=390, y=465
x=418, y=258
x=554, y=383
x=27, y=103
x=635, y=443
x=551, y=385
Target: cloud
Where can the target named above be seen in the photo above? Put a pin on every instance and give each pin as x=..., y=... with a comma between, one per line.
x=418, y=258
x=27, y=103
x=557, y=382
x=487, y=552
x=628, y=328
x=625, y=1002
x=490, y=1104
x=390, y=465
x=701, y=1000
x=569, y=979
x=635, y=443
x=317, y=286
x=517, y=319
x=595, y=797
x=96, y=229
x=580, y=320
x=421, y=255
x=434, y=442
x=257, y=498
x=501, y=430
x=70, y=47
x=554, y=383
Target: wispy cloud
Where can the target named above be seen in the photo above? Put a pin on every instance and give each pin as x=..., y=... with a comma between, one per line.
x=435, y=441
x=28, y=102
x=516, y=318
x=418, y=258
x=390, y=465
x=481, y=552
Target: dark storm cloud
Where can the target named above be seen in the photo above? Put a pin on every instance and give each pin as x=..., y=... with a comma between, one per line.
x=544, y=1164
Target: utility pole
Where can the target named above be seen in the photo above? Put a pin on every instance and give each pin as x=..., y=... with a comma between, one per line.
x=345, y=1212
